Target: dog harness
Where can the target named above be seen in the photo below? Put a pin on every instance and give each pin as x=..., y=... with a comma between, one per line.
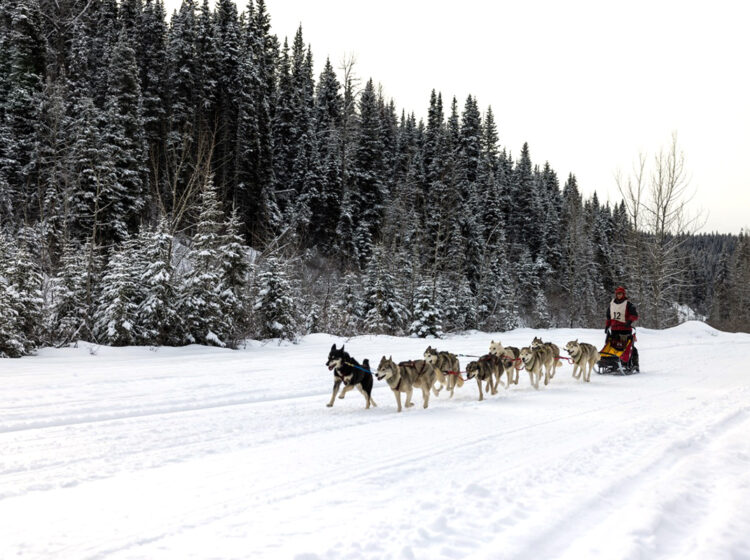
x=533, y=361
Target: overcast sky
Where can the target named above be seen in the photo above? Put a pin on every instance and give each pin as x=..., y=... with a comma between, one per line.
x=588, y=84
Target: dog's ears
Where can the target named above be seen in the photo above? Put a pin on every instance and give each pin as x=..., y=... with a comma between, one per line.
x=391, y=357
x=333, y=347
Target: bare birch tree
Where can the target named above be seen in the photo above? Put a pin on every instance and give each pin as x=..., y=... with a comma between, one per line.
x=657, y=200
x=632, y=189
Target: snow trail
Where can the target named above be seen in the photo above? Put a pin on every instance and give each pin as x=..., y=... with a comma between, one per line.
x=208, y=453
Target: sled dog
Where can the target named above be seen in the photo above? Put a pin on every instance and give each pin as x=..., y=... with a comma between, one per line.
x=497, y=348
x=446, y=367
x=584, y=357
x=405, y=376
x=488, y=369
x=511, y=363
x=554, y=352
x=348, y=371
x=535, y=360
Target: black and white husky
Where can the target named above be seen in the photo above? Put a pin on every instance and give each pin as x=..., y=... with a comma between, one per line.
x=351, y=373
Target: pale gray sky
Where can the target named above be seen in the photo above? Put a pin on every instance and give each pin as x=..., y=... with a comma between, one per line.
x=588, y=84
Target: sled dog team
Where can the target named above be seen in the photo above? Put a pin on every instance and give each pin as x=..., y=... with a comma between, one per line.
x=440, y=370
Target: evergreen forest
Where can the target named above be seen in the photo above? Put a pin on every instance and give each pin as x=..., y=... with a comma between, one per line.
x=190, y=179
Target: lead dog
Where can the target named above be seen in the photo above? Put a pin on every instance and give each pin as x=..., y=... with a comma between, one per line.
x=446, y=367
x=405, y=376
x=554, y=352
x=584, y=357
x=351, y=373
x=487, y=368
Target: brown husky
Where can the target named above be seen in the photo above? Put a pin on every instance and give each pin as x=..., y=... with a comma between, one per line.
x=511, y=362
x=405, y=376
x=535, y=360
x=488, y=369
x=447, y=369
x=554, y=352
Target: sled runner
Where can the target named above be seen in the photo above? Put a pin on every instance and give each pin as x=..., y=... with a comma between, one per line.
x=619, y=355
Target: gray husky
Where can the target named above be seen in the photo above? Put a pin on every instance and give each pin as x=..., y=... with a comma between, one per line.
x=537, y=362
x=487, y=368
x=584, y=357
x=447, y=369
x=553, y=350
x=405, y=376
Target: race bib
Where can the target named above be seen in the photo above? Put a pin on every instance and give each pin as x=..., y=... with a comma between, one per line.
x=617, y=310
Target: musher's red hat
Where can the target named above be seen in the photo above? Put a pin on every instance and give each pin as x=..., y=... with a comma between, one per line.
x=619, y=290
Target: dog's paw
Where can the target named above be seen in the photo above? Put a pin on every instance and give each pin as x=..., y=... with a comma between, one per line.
x=329, y=405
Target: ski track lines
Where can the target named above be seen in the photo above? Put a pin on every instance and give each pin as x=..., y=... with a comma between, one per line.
x=522, y=474
x=670, y=514
x=536, y=516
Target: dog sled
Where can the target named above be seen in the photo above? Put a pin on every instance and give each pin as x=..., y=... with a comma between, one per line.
x=619, y=355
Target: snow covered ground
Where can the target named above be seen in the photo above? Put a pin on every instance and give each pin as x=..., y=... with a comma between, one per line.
x=208, y=453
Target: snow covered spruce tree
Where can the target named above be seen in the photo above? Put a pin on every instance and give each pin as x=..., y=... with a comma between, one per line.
x=12, y=341
x=125, y=136
x=348, y=309
x=575, y=280
x=202, y=307
x=275, y=309
x=384, y=312
x=22, y=63
x=234, y=270
x=368, y=191
x=120, y=295
x=11, y=338
x=156, y=316
x=71, y=302
x=26, y=279
x=426, y=320
x=458, y=304
x=20, y=300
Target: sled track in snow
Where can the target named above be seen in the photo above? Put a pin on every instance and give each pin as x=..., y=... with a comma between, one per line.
x=363, y=471
x=631, y=487
x=156, y=411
